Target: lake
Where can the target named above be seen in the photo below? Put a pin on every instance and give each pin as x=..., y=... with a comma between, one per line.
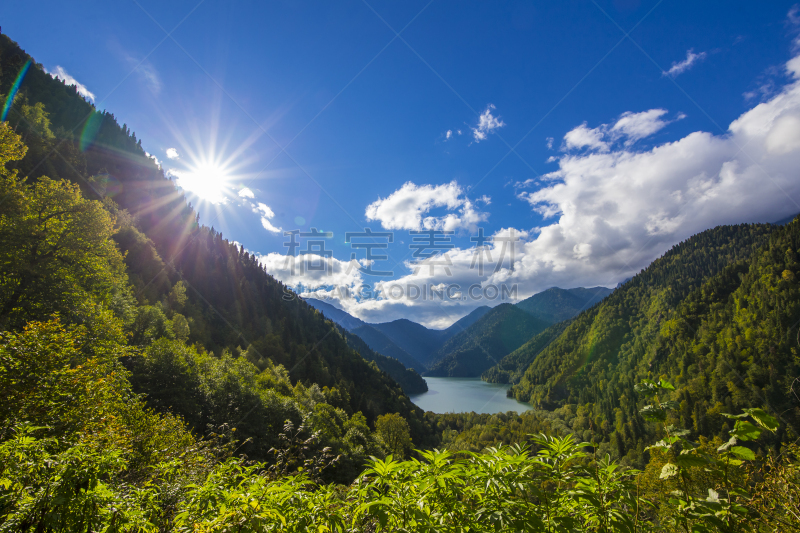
x=463, y=395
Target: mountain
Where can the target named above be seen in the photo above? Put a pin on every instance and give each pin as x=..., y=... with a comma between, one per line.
x=383, y=344
x=512, y=366
x=784, y=221
x=375, y=346
x=555, y=305
x=626, y=326
x=401, y=338
x=506, y=328
x=716, y=315
x=343, y=318
x=465, y=322
x=408, y=378
x=376, y=340
x=423, y=343
x=415, y=339
x=497, y=333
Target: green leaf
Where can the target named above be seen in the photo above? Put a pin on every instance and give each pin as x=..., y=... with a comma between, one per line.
x=763, y=418
x=744, y=430
x=669, y=470
x=651, y=413
x=664, y=384
x=686, y=460
x=743, y=453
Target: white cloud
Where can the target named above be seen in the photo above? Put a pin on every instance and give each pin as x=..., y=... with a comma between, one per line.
x=637, y=126
x=60, y=73
x=487, y=123
x=583, y=136
x=266, y=215
x=629, y=127
x=314, y=275
x=246, y=193
x=680, y=67
x=485, y=199
x=172, y=153
x=549, y=143
x=154, y=158
x=448, y=134
x=341, y=283
x=406, y=208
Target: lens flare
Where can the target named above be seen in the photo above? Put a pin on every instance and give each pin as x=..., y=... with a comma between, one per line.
x=90, y=129
x=14, y=89
x=207, y=181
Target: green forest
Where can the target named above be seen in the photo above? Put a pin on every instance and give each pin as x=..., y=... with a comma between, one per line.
x=156, y=378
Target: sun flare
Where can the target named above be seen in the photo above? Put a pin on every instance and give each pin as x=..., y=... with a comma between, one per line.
x=208, y=181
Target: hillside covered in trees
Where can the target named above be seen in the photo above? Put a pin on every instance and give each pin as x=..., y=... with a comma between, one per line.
x=500, y=332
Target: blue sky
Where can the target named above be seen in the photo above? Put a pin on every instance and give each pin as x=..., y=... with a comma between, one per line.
x=599, y=148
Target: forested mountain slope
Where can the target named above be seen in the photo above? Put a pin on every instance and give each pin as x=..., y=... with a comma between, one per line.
x=717, y=314
x=556, y=304
x=506, y=328
x=512, y=366
x=344, y=319
x=497, y=333
x=422, y=343
x=213, y=304
x=406, y=376
x=375, y=340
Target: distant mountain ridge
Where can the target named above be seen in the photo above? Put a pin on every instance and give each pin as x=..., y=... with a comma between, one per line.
x=411, y=343
x=480, y=346
x=476, y=342
x=555, y=304
x=507, y=327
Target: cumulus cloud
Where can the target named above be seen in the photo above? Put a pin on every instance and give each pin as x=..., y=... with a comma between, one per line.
x=246, y=193
x=407, y=207
x=680, y=67
x=629, y=128
x=448, y=134
x=428, y=295
x=315, y=275
x=637, y=126
x=583, y=136
x=60, y=74
x=266, y=215
x=487, y=123
x=172, y=153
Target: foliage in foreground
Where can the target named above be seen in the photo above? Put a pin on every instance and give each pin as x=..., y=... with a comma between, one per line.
x=558, y=488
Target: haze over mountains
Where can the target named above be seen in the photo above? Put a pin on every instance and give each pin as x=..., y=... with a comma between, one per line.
x=474, y=343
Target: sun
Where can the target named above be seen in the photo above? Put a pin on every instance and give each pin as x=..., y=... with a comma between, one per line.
x=207, y=181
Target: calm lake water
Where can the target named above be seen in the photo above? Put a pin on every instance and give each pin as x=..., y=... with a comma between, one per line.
x=463, y=395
